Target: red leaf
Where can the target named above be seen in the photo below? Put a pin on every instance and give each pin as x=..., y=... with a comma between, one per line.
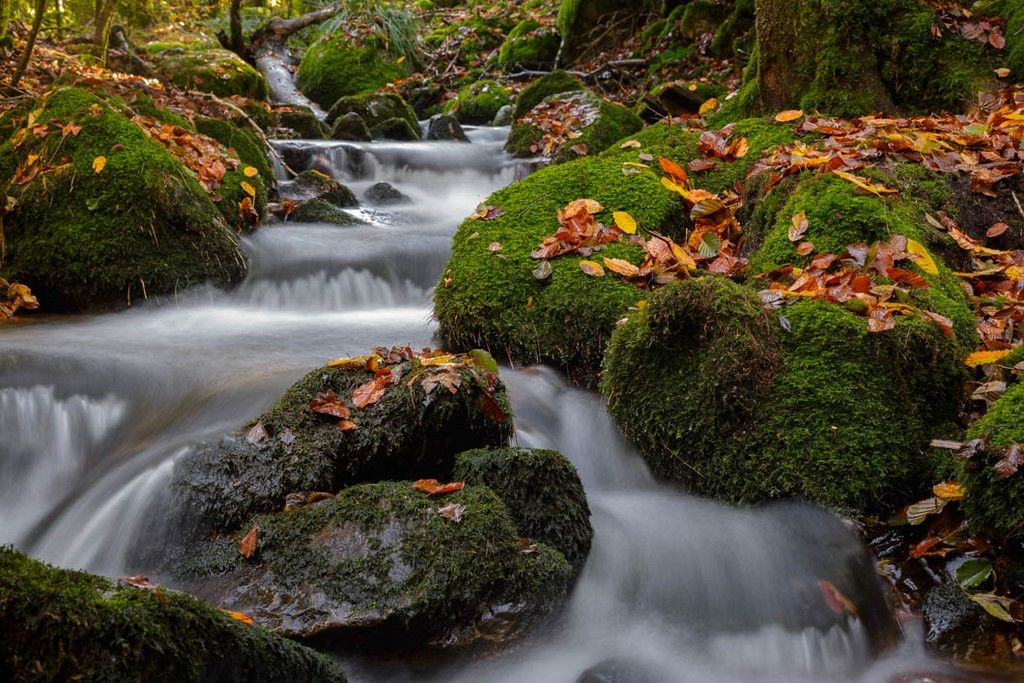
x=328, y=403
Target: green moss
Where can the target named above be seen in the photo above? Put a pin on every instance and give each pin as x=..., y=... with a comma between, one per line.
x=142, y=226
x=544, y=87
x=220, y=72
x=321, y=211
x=396, y=129
x=529, y=46
x=64, y=625
x=741, y=408
x=408, y=433
x=333, y=68
x=542, y=492
x=243, y=144
x=993, y=505
x=302, y=120
x=374, y=109
x=701, y=16
x=1013, y=13
x=478, y=102
x=390, y=563
x=497, y=303
x=350, y=127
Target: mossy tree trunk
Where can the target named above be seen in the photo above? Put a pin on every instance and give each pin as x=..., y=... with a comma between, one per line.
x=236, y=41
x=5, y=16
x=30, y=45
x=101, y=33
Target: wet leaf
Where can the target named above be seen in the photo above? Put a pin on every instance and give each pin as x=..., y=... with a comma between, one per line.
x=986, y=357
x=353, y=363
x=328, y=403
x=973, y=573
x=247, y=546
x=257, y=434
x=836, y=601
x=1010, y=463
x=921, y=510
x=995, y=605
x=244, y=618
x=372, y=391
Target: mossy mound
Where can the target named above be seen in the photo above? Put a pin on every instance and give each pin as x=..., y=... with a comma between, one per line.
x=498, y=304
x=374, y=109
x=220, y=72
x=64, y=625
x=746, y=405
x=411, y=432
x=601, y=123
x=333, y=68
x=554, y=83
x=994, y=505
x=243, y=144
x=379, y=566
x=479, y=102
x=321, y=211
x=302, y=121
x=529, y=46
x=142, y=226
x=542, y=491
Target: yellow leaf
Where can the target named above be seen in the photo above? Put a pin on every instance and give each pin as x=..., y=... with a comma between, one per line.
x=400, y=60
x=99, y=163
x=708, y=106
x=592, y=268
x=621, y=266
x=1015, y=273
x=788, y=115
x=438, y=360
x=631, y=144
x=250, y=172
x=353, y=363
x=31, y=159
x=625, y=222
x=924, y=259
x=948, y=490
x=683, y=258
x=986, y=357
x=863, y=184
x=248, y=189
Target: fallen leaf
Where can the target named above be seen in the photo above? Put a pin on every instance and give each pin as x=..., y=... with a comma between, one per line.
x=836, y=601
x=997, y=229
x=799, y=227
x=452, y=511
x=919, y=511
x=631, y=144
x=247, y=546
x=494, y=247
x=986, y=357
x=592, y=268
x=248, y=188
x=1010, y=462
x=621, y=266
x=708, y=106
x=624, y=222
x=98, y=164
x=328, y=403
x=257, y=434
x=244, y=618
x=923, y=259
x=948, y=490
x=805, y=248
x=789, y=115
x=250, y=172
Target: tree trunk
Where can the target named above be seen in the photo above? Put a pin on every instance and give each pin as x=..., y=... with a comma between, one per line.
x=273, y=59
x=30, y=45
x=5, y=16
x=101, y=32
x=236, y=40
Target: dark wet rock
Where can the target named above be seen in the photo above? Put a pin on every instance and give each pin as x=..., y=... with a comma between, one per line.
x=960, y=629
x=384, y=193
x=314, y=184
x=302, y=120
x=542, y=491
x=623, y=670
x=61, y=625
x=380, y=560
x=396, y=129
x=374, y=109
x=504, y=116
x=321, y=211
x=352, y=127
x=445, y=127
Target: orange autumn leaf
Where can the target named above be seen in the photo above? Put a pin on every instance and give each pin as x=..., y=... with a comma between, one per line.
x=621, y=266
x=986, y=357
x=835, y=600
x=592, y=268
x=98, y=164
x=244, y=618
x=708, y=106
x=789, y=115
x=432, y=487
x=247, y=546
x=948, y=490
x=250, y=172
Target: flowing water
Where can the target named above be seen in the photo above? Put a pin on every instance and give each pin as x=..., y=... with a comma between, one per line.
x=94, y=411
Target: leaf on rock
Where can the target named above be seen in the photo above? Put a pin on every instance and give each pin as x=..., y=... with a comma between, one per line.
x=244, y=618
x=372, y=391
x=836, y=601
x=799, y=227
x=973, y=573
x=247, y=546
x=257, y=434
x=452, y=511
x=328, y=403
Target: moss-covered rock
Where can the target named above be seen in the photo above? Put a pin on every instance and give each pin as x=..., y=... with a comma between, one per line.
x=446, y=128
x=396, y=129
x=243, y=144
x=220, y=72
x=64, y=625
x=994, y=505
x=351, y=127
x=479, y=102
x=554, y=83
x=380, y=560
x=411, y=432
x=142, y=226
x=321, y=211
x=313, y=184
x=374, y=109
x=742, y=405
x=333, y=68
x=598, y=122
x=542, y=492
x=580, y=20
x=302, y=121
x=529, y=46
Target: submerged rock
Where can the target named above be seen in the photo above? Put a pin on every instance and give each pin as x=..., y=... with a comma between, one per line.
x=66, y=625
x=958, y=628
x=140, y=226
x=444, y=127
x=385, y=193
x=542, y=491
x=383, y=559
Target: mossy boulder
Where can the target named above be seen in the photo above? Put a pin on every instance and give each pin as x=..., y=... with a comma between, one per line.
x=554, y=83
x=65, y=625
x=375, y=109
x=140, y=227
x=529, y=46
x=333, y=67
x=994, y=505
x=479, y=102
x=542, y=491
x=396, y=129
x=220, y=72
x=351, y=127
x=242, y=144
x=413, y=431
x=379, y=566
x=597, y=121
x=302, y=121
x=314, y=184
x=443, y=127
x=385, y=193
x=321, y=211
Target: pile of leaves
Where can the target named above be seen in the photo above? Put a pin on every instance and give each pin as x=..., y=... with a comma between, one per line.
x=865, y=279
x=561, y=120
x=959, y=20
x=432, y=370
x=986, y=144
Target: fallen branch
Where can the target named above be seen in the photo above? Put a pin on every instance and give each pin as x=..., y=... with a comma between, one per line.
x=583, y=75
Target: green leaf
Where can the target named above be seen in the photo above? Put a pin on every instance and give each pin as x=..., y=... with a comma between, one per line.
x=709, y=245
x=973, y=573
x=996, y=605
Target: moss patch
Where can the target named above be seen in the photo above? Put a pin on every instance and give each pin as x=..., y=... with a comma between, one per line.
x=64, y=625
x=478, y=102
x=544, y=87
x=994, y=505
x=529, y=46
x=333, y=68
x=220, y=72
x=83, y=239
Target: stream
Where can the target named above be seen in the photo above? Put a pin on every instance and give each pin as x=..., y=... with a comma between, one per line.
x=95, y=410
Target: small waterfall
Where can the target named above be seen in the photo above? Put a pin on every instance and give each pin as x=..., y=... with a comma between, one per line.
x=351, y=289
x=46, y=443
